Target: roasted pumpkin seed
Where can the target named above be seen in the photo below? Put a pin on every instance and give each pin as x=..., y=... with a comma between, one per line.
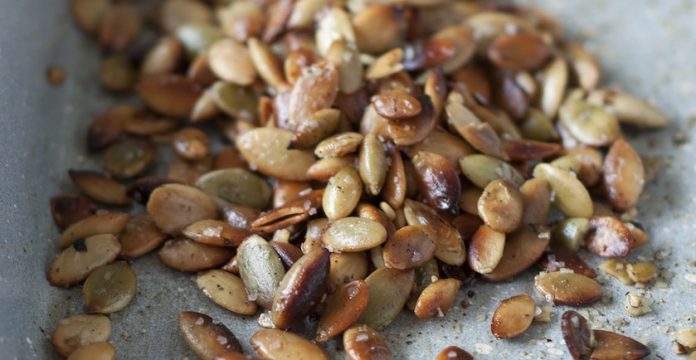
x=169, y=94
x=590, y=124
x=361, y=342
x=449, y=246
x=226, y=290
x=408, y=248
x=501, y=206
x=513, y=316
x=117, y=73
x=106, y=223
x=576, y=334
x=68, y=209
x=570, y=195
x=438, y=181
x=522, y=249
x=629, y=109
x=395, y=187
x=279, y=344
x=77, y=331
x=236, y=186
x=610, y=345
x=260, y=268
x=99, y=187
x=266, y=150
x=454, y=353
x=567, y=288
x=186, y=255
x=95, y=351
x=74, y=263
x=351, y=234
x=437, y=298
x=342, y=194
x=343, y=308
x=294, y=212
x=624, y=175
x=191, y=144
x=208, y=338
x=372, y=164
x=215, y=232
x=109, y=288
x=140, y=236
x=129, y=158
x=482, y=169
x=346, y=267
x=607, y=236
x=174, y=206
x=388, y=291
x=486, y=249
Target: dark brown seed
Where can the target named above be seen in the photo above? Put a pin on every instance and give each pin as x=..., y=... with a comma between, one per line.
x=624, y=175
x=454, y=353
x=140, y=236
x=438, y=181
x=608, y=237
x=513, y=316
x=129, y=158
x=361, y=342
x=522, y=150
x=409, y=247
x=396, y=105
x=146, y=124
x=141, y=189
x=576, y=334
x=610, y=345
x=215, y=232
x=102, y=223
x=169, y=94
x=99, y=187
x=343, y=308
x=279, y=344
x=413, y=130
x=292, y=213
x=191, y=144
x=568, y=288
x=522, y=249
x=209, y=339
x=107, y=127
x=485, y=249
x=467, y=225
x=560, y=257
x=287, y=252
x=474, y=78
x=510, y=96
x=518, y=52
x=68, y=209
x=300, y=289
x=187, y=255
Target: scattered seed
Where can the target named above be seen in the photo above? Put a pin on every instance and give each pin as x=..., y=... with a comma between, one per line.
x=140, y=236
x=279, y=344
x=77, y=331
x=75, y=263
x=174, y=206
x=409, y=247
x=261, y=270
x=522, y=249
x=570, y=195
x=576, y=334
x=388, y=291
x=567, y=288
x=186, y=255
x=226, y=290
x=208, y=338
x=485, y=249
x=361, y=342
x=437, y=298
x=624, y=175
x=501, y=206
x=482, y=169
x=129, y=158
x=109, y=288
x=513, y=316
x=610, y=345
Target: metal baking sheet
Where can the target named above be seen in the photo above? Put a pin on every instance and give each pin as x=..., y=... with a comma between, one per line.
x=646, y=47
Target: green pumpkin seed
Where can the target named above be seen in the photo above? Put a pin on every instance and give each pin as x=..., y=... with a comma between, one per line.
x=197, y=38
x=175, y=206
x=538, y=126
x=239, y=102
x=388, y=291
x=342, y=193
x=129, y=158
x=260, y=268
x=226, y=290
x=482, y=169
x=109, y=288
x=372, y=164
x=590, y=124
x=571, y=196
x=353, y=234
x=237, y=187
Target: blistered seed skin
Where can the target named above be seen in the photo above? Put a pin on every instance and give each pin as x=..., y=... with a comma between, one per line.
x=437, y=298
x=343, y=308
x=174, y=206
x=388, y=291
x=485, y=249
x=501, y=206
x=74, y=263
x=409, y=247
x=513, y=316
x=361, y=342
x=80, y=330
x=568, y=288
x=342, y=194
x=95, y=351
x=226, y=290
x=624, y=175
x=261, y=270
x=208, y=338
x=278, y=344
x=353, y=234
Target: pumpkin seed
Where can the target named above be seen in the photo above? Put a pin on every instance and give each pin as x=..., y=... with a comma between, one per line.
x=287, y=191
x=236, y=186
x=361, y=342
x=280, y=11
x=641, y=272
x=636, y=305
x=394, y=190
x=462, y=37
x=175, y=206
x=187, y=172
x=74, y=263
x=318, y=126
x=190, y=144
x=518, y=52
x=378, y=28
x=261, y=270
x=396, y=105
x=288, y=253
x=346, y=267
x=449, y=246
x=95, y=351
x=351, y=234
x=536, y=197
x=501, y=206
x=117, y=73
x=610, y=345
x=143, y=123
x=629, y=109
x=186, y=255
x=570, y=195
x=163, y=57
x=343, y=308
x=486, y=249
x=208, y=338
x=338, y=145
x=570, y=233
x=129, y=158
x=538, y=126
x=265, y=149
x=68, y=209
x=241, y=20
x=89, y=13
x=468, y=202
x=236, y=101
x=265, y=62
x=109, y=288
x=590, y=124
x=609, y=237
x=315, y=90
x=372, y=164
x=77, y=331
x=454, y=353
x=567, y=288
x=279, y=344
x=437, y=298
x=438, y=181
x=106, y=128
x=586, y=162
x=292, y=213
x=443, y=143
x=215, y=232
x=513, y=316
x=408, y=248
x=231, y=62
x=304, y=12
x=295, y=62
x=106, y=223
x=333, y=24
x=99, y=187
x=406, y=132
x=177, y=13
x=226, y=290
x=686, y=337
x=386, y=65
x=119, y=26
x=140, y=236
x=585, y=66
x=624, y=175
x=576, y=334
x=342, y=193
x=522, y=249
x=559, y=258
x=482, y=169
x=346, y=58
x=324, y=169
x=388, y=291
x=553, y=86
x=169, y=94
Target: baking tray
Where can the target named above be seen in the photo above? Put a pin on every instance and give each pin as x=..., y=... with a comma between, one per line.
x=646, y=47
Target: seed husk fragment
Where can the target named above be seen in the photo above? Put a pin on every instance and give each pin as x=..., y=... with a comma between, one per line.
x=576, y=334
x=501, y=206
x=236, y=186
x=409, y=131
x=389, y=290
x=260, y=268
x=624, y=175
x=641, y=272
x=568, y=288
x=79, y=330
x=513, y=316
x=608, y=237
x=629, y=109
x=617, y=268
x=226, y=290
x=454, y=353
x=361, y=342
x=208, y=338
x=343, y=308
x=437, y=298
x=109, y=288
x=175, y=206
x=279, y=344
x=107, y=223
x=610, y=345
x=559, y=258
x=95, y=351
x=74, y=263
x=570, y=233
x=99, y=187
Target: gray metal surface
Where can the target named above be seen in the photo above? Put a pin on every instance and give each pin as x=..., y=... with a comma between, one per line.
x=645, y=46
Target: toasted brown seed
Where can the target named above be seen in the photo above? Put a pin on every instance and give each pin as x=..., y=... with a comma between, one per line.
x=266, y=149
x=512, y=94
x=140, y=236
x=108, y=126
x=346, y=59
x=119, y=26
x=608, y=237
x=388, y=291
x=409, y=247
x=236, y=186
x=518, y=52
x=585, y=66
x=288, y=253
x=99, y=187
x=280, y=11
x=163, y=57
x=624, y=175
x=208, y=338
x=287, y=191
x=438, y=181
x=73, y=264
x=372, y=164
x=95, y=351
x=467, y=225
x=343, y=308
x=186, y=255
x=295, y=61
x=107, y=223
x=144, y=123
x=353, y=234
x=576, y=334
x=239, y=102
x=522, y=150
x=461, y=39
x=324, y=169
x=629, y=109
x=590, y=124
x=315, y=90
x=641, y=272
x=169, y=94
x=109, y=288
x=394, y=190
x=79, y=330
x=342, y=193
x=187, y=172
x=346, y=267
x=454, y=353
x=310, y=131
x=279, y=344
x=386, y=64
x=449, y=246
x=536, y=197
x=361, y=342
x=228, y=157
x=294, y=212
x=215, y=232
x=483, y=138
x=176, y=13
x=618, y=269
x=378, y=28
x=441, y=142
x=501, y=206
x=129, y=158
x=396, y=105
x=338, y=145
x=89, y=13
x=226, y=290
x=568, y=288
x=513, y=316
x=231, y=62
x=260, y=268
x=437, y=298
x=560, y=258
x=571, y=196
x=410, y=131
x=68, y=209
x=482, y=169
x=117, y=73
x=265, y=62
x=486, y=249
x=610, y=345
x=191, y=144
x=174, y=206
x=522, y=249
x=553, y=86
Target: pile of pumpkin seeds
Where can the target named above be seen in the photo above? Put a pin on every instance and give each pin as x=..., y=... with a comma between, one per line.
x=365, y=158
